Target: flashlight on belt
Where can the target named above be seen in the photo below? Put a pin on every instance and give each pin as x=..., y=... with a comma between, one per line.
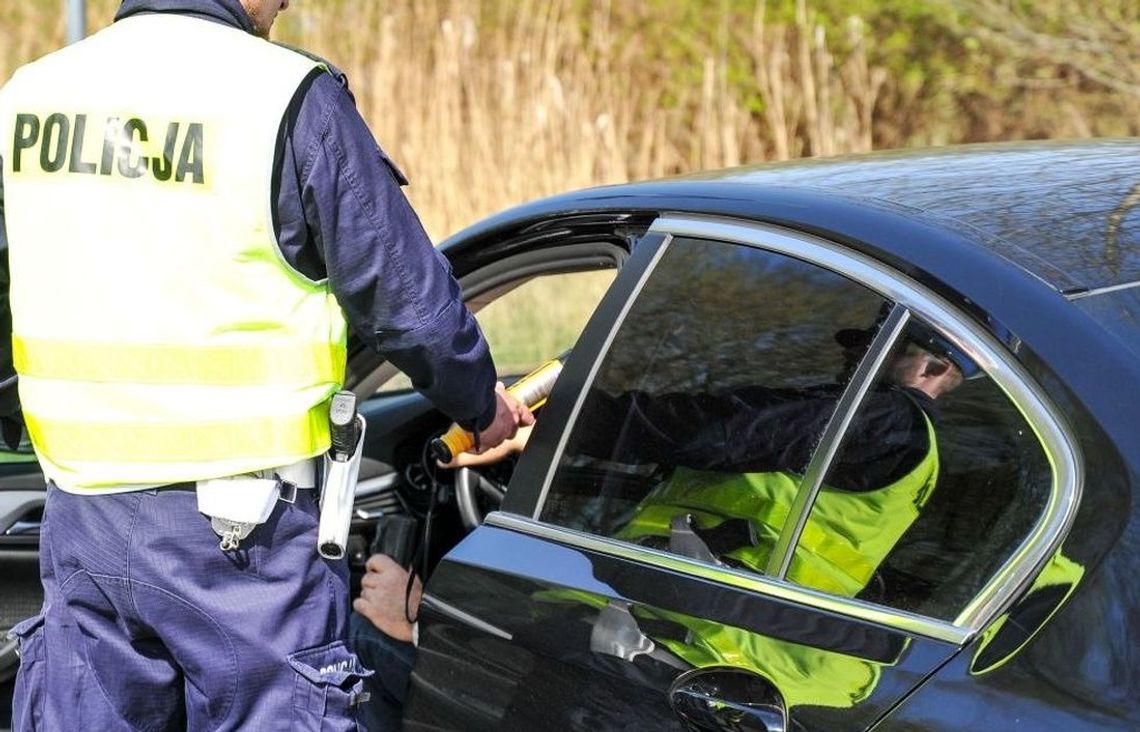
x=532, y=390
x=341, y=468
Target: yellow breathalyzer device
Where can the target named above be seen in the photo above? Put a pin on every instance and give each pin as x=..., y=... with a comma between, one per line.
x=532, y=390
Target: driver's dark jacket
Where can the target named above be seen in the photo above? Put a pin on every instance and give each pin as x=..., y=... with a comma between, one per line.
x=755, y=429
x=339, y=213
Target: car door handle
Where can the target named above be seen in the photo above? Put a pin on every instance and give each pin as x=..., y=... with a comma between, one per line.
x=726, y=698
x=23, y=528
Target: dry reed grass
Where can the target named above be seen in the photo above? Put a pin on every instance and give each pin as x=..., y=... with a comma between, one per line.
x=488, y=104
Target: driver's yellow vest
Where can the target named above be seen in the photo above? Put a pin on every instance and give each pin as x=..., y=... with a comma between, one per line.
x=847, y=534
x=158, y=334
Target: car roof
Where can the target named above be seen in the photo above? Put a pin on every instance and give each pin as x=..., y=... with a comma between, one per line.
x=1068, y=212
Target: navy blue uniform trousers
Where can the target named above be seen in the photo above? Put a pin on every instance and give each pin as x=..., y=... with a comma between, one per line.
x=147, y=624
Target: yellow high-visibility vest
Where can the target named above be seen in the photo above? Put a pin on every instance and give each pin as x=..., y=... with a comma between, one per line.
x=158, y=333
x=846, y=536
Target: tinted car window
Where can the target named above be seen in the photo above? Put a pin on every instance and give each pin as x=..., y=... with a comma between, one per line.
x=932, y=489
x=707, y=409
x=727, y=365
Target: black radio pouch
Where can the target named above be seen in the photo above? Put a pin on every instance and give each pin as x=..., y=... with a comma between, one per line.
x=396, y=536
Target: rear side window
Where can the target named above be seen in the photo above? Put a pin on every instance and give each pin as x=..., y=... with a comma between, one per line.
x=701, y=436
x=923, y=528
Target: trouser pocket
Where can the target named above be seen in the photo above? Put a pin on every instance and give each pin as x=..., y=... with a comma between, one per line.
x=328, y=689
x=28, y=697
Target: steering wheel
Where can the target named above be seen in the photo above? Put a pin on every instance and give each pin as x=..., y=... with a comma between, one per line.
x=532, y=389
x=482, y=487
x=469, y=484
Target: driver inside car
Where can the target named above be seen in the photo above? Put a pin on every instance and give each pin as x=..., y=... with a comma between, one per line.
x=737, y=458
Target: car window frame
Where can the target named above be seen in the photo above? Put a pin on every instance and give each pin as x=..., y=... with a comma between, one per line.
x=912, y=299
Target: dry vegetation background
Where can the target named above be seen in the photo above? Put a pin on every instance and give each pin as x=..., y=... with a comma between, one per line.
x=489, y=103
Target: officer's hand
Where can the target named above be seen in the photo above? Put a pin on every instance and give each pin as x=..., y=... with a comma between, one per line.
x=504, y=449
x=510, y=414
x=382, y=597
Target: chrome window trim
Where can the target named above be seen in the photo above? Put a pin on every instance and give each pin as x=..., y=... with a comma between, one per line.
x=1101, y=291
x=1030, y=400
x=849, y=402
x=886, y=617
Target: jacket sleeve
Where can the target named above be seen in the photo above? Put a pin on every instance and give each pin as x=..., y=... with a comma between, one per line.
x=397, y=291
x=747, y=429
x=752, y=429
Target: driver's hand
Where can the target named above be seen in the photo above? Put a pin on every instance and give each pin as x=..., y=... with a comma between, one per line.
x=382, y=597
x=504, y=449
x=510, y=414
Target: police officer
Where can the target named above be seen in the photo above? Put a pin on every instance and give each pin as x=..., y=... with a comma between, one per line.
x=191, y=215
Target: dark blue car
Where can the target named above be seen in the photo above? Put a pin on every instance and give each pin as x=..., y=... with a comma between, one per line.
x=744, y=506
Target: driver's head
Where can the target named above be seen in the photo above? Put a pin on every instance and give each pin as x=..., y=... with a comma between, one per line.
x=926, y=361
x=920, y=369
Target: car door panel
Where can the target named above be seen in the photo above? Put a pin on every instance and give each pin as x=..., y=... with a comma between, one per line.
x=1056, y=660
x=544, y=625
x=954, y=699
